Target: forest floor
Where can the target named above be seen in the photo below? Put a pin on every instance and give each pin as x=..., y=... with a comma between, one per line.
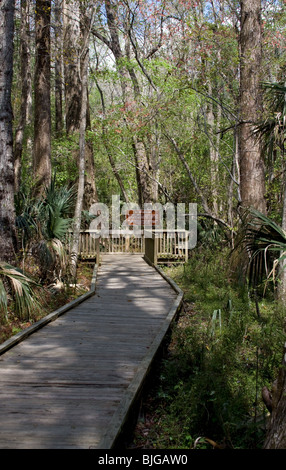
x=51, y=300
x=206, y=387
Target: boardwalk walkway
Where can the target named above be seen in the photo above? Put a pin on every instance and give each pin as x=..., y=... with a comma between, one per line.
x=71, y=383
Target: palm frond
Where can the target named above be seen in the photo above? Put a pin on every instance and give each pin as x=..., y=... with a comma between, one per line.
x=61, y=199
x=58, y=204
x=272, y=129
x=52, y=258
x=263, y=232
x=28, y=216
x=21, y=288
x=265, y=242
x=59, y=249
x=58, y=226
x=3, y=299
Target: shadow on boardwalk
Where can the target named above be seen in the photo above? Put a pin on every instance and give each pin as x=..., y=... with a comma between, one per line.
x=71, y=383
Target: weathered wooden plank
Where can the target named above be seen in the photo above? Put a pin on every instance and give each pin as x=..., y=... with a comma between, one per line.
x=49, y=318
x=122, y=411
x=65, y=384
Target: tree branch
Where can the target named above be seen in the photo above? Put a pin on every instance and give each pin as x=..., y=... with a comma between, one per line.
x=149, y=176
x=102, y=38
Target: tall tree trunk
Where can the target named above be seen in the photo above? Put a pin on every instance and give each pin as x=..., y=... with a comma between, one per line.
x=90, y=191
x=7, y=211
x=142, y=164
x=59, y=122
x=108, y=150
x=71, y=45
x=26, y=91
x=213, y=126
x=42, y=115
x=82, y=148
x=234, y=180
x=252, y=179
x=74, y=24
x=155, y=157
x=130, y=95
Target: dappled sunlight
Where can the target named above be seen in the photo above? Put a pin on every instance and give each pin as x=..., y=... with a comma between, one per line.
x=66, y=381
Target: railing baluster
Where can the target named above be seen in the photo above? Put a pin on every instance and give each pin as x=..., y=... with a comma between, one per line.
x=171, y=244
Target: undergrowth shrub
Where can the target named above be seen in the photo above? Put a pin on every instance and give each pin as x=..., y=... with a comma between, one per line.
x=210, y=384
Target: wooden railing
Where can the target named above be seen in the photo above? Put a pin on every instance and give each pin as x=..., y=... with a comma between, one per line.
x=116, y=243
x=172, y=244
x=167, y=245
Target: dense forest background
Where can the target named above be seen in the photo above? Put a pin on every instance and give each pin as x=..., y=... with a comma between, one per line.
x=177, y=101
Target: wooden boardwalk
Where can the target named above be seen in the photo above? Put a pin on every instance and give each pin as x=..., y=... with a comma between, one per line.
x=71, y=383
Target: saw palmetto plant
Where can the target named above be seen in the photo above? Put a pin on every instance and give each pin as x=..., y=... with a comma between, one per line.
x=272, y=129
x=265, y=242
x=16, y=286
x=44, y=225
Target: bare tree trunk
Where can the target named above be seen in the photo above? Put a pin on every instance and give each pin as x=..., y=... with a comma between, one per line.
x=142, y=164
x=73, y=54
x=155, y=158
x=59, y=121
x=252, y=179
x=116, y=174
x=129, y=96
x=71, y=45
x=7, y=211
x=82, y=156
x=90, y=191
x=109, y=153
x=26, y=91
x=145, y=189
x=213, y=126
x=42, y=115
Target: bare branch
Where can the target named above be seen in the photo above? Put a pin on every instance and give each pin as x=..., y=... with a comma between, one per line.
x=102, y=38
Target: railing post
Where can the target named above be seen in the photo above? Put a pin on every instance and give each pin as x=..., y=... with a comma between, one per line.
x=151, y=249
x=97, y=244
x=186, y=247
x=127, y=243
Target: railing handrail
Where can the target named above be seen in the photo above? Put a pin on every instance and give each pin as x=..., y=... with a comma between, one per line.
x=132, y=232
x=167, y=243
